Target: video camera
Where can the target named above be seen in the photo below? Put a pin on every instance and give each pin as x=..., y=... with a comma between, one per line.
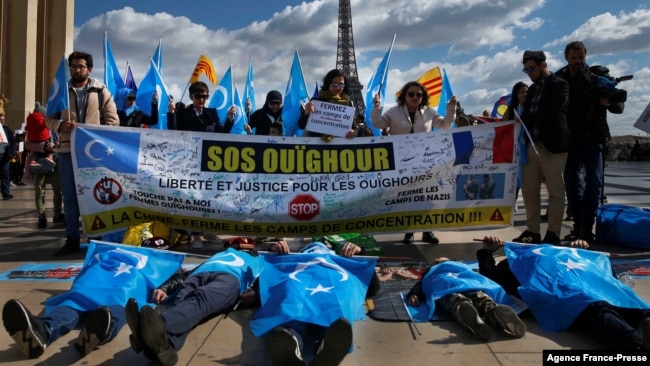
x=607, y=84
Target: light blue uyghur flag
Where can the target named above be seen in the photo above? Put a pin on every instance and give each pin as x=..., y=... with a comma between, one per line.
x=240, y=117
x=453, y=277
x=377, y=84
x=157, y=57
x=129, y=81
x=111, y=274
x=112, y=77
x=224, y=96
x=117, y=151
x=557, y=283
x=249, y=88
x=153, y=82
x=445, y=94
x=57, y=100
x=312, y=288
x=295, y=96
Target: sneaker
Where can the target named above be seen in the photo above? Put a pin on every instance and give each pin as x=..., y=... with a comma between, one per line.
x=154, y=336
x=95, y=331
x=284, y=347
x=503, y=317
x=12, y=184
x=551, y=238
x=467, y=316
x=132, y=313
x=528, y=237
x=42, y=222
x=59, y=219
x=71, y=246
x=7, y=196
x=196, y=243
x=48, y=160
x=27, y=330
x=34, y=164
x=335, y=345
x=408, y=238
x=430, y=237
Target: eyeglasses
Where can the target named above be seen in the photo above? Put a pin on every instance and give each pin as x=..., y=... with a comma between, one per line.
x=338, y=85
x=78, y=67
x=275, y=102
x=415, y=94
x=529, y=69
x=201, y=96
x=130, y=98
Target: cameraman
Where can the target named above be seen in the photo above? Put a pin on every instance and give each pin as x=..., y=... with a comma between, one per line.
x=587, y=121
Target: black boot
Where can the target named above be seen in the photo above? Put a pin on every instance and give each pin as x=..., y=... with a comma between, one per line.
x=71, y=246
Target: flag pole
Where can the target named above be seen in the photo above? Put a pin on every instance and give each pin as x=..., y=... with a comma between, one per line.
x=390, y=51
x=188, y=83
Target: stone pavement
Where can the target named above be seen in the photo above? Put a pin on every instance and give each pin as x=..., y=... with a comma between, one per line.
x=218, y=342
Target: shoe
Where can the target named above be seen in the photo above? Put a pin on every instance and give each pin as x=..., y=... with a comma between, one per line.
x=645, y=333
x=71, y=246
x=528, y=237
x=212, y=238
x=12, y=184
x=95, y=331
x=154, y=336
x=59, y=219
x=7, y=196
x=27, y=330
x=132, y=313
x=467, y=316
x=34, y=164
x=571, y=236
x=543, y=217
x=335, y=345
x=568, y=218
x=284, y=347
x=430, y=237
x=408, y=238
x=49, y=161
x=21, y=183
x=196, y=243
x=589, y=238
x=504, y=318
x=42, y=222
x=551, y=238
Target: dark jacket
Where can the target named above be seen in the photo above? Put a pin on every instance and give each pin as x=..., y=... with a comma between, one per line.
x=546, y=118
x=10, y=150
x=185, y=119
x=586, y=117
x=138, y=117
x=499, y=273
x=262, y=119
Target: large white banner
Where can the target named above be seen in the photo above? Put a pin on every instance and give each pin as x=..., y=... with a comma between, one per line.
x=296, y=186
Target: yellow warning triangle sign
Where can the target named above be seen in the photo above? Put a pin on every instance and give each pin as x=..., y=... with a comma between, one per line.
x=98, y=224
x=497, y=216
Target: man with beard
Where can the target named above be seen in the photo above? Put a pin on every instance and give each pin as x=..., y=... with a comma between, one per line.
x=90, y=102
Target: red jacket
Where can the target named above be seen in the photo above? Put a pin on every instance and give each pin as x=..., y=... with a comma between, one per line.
x=36, y=129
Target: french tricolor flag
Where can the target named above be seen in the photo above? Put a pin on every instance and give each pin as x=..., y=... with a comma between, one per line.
x=502, y=145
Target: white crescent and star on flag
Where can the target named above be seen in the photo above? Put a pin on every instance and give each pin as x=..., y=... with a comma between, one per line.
x=87, y=150
x=322, y=262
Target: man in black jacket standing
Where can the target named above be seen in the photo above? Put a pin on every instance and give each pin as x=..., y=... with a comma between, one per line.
x=587, y=121
x=545, y=117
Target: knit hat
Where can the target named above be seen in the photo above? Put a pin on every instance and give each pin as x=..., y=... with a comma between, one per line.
x=274, y=96
x=39, y=108
x=537, y=56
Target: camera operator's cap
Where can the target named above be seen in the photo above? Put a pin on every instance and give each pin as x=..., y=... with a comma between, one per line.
x=537, y=56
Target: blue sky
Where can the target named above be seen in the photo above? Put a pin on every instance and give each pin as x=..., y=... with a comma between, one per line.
x=478, y=42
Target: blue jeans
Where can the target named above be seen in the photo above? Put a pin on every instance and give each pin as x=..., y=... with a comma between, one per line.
x=583, y=199
x=199, y=297
x=63, y=319
x=69, y=189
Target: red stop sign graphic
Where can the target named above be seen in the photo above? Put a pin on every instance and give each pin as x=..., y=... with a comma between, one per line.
x=304, y=207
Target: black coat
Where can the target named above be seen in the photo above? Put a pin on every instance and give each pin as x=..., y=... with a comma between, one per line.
x=10, y=150
x=185, y=119
x=138, y=117
x=547, y=119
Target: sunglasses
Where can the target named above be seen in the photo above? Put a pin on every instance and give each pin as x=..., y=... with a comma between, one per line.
x=414, y=94
x=338, y=85
x=130, y=98
x=201, y=96
x=529, y=69
x=275, y=103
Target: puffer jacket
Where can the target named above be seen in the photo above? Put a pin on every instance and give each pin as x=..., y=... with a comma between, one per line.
x=106, y=115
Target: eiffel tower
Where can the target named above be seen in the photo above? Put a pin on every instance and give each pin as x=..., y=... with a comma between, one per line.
x=345, y=58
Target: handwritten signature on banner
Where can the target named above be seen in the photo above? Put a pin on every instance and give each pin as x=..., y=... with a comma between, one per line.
x=296, y=186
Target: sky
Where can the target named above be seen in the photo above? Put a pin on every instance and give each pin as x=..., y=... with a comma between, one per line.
x=479, y=43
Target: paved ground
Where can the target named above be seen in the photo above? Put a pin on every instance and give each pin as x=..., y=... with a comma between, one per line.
x=376, y=343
